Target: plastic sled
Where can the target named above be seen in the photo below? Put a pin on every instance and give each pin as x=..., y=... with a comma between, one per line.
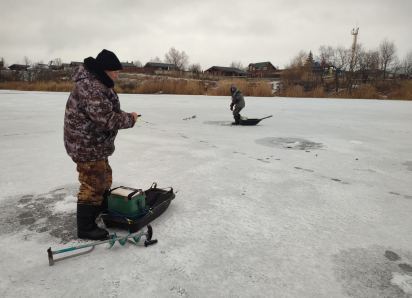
x=246, y=122
x=157, y=202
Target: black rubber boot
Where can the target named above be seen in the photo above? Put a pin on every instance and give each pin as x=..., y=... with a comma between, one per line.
x=105, y=202
x=86, y=223
x=237, y=120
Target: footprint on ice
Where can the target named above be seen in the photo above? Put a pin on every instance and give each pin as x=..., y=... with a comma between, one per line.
x=219, y=123
x=406, y=267
x=372, y=272
x=390, y=255
x=289, y=143
x=408, y=164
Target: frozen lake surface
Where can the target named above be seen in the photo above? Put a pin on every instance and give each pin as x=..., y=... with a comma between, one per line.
x=313, y=202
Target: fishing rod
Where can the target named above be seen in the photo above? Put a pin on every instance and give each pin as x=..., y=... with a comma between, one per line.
x=144, y=121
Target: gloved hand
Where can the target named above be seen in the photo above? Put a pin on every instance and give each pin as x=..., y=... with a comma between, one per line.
x=231, y=107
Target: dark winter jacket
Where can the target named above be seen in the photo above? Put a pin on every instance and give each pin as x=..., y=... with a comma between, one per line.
x=237, y=96
x=92, y=117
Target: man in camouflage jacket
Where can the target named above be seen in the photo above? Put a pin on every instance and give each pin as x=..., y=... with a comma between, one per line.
x=238, y=101
x=92, y=119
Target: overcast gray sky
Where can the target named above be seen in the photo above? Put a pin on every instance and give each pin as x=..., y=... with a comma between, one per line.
x=210, y=32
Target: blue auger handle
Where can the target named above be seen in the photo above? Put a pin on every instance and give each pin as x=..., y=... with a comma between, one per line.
x=149, y=240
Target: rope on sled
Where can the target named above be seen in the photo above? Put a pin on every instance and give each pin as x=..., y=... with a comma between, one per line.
x=126, y=217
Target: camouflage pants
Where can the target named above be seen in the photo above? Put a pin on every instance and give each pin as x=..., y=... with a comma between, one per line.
x=95, y=177
x=236, y=112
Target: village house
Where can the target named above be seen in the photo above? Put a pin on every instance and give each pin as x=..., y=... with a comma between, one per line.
x=55, y=67
x=220, y=71
x=75, y=64
x=18, y=67
x=261, y=69
x=38, y=66
x=162, y=66
x=128, y=67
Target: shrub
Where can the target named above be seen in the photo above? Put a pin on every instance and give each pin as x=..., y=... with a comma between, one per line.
x=403, y=93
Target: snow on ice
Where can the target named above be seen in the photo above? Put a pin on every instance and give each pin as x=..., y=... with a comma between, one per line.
x=328, y=217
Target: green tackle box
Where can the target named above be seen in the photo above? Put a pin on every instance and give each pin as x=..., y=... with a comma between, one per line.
x=127, y=201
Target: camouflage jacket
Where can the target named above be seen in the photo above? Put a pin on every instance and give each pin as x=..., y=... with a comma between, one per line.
x=92, y=118
x=237, y=96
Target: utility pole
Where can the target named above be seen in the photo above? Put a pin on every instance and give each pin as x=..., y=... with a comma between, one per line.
x=355, y=37
x=352, y=60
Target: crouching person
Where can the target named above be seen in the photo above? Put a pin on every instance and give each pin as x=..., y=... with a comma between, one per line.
x=238, y=102
x=91, y=122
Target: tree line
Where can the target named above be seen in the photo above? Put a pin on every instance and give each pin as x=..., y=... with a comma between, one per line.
x=349, y=68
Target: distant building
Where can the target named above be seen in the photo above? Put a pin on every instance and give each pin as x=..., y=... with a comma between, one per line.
x=75, y=64
x=18, y=67
x=38, y=66
x=163, y=66
x=128, y=67
x=261, y=69
x=220, y=71
x=325, y=68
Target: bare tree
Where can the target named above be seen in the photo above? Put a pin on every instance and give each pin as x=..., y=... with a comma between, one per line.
x=138, y=64
x=195, y=67
x=26, y=61
x=388, y=56
x=407, y=64
x=57, y=62
x=28, y=75
x=367, y=64
x=339, y=59
x=299, y=60
x=180, y=59
x=237, y=64
x=156, y=60
x=296, y=73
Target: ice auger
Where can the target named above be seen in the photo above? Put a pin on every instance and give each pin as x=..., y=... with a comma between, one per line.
x=112, y=239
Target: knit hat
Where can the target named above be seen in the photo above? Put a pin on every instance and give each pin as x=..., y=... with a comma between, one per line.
x=107, y=60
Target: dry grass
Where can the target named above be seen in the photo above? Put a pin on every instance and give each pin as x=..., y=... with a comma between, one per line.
x=403, y=93
x=159, y=85
x=165, y=85
x=184, y=87
x=194, y=87
x=319, y=92
x=295, y=91
x=364, y=91
x=40, y=86
x=255, y=88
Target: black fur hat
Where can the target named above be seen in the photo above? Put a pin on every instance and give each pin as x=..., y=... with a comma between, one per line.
x=107, y=60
